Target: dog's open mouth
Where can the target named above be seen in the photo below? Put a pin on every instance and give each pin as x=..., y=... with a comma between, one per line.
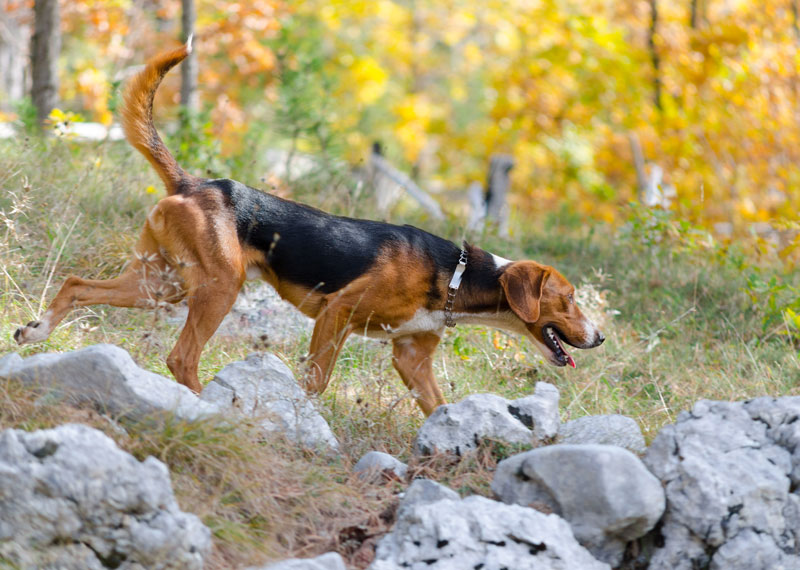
x=552, y=338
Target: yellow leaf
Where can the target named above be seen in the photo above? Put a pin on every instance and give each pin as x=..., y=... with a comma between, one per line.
x=370, y=78
x=106, y=117
x=57, y=116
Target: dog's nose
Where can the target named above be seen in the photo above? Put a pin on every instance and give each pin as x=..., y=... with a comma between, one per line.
x=599, y=339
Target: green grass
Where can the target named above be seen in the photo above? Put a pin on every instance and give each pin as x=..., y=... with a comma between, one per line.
x=682, y=317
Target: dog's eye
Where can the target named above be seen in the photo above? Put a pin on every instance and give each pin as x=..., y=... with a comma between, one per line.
x=571, y=299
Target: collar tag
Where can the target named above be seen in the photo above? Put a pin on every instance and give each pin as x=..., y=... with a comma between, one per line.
x=455, y=282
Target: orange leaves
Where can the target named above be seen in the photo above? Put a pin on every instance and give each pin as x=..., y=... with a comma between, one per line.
x=560, y=85
x=94, y=88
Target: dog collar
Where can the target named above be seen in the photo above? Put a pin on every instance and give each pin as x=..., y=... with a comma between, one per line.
x=452, y=289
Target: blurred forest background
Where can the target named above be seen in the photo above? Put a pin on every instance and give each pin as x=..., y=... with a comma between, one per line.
x=688, y=105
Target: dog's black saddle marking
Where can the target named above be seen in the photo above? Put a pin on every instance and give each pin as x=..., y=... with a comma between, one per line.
x=319, y=250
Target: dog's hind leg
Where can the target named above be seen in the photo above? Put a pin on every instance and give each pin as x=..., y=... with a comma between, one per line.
x=204, y=248
x=208, y=305
x=413, y=359
x=146, y=281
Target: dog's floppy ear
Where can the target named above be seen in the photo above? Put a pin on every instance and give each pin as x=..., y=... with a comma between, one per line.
x=523, y=283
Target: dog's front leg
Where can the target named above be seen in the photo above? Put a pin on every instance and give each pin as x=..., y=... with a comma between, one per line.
x=413, y=359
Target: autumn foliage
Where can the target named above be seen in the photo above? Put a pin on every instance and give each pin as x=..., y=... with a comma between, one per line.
x=708, y=89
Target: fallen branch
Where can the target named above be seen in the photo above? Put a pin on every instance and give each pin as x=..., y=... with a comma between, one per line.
x=382, y=166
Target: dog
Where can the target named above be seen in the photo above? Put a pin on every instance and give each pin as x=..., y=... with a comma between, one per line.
x=351, y=275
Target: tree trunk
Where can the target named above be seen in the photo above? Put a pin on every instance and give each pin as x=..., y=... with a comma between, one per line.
x=638, y=164
x=13, y=58
x=189, y=67
x=45, y=48
x=651, y=42
x=698, y=13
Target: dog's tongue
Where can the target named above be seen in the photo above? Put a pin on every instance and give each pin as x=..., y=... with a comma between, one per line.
x=570, y=361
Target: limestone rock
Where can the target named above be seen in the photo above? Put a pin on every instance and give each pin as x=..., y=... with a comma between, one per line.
x=8, y=362
x=458, y=428
x=613, y=429
x=107, y=376
x=730, y=470
x=424, y=491
x=539, y=411
x=376, y=464
x=480, y=533
x=71, y=499
x=605, y=492
x=264, y=388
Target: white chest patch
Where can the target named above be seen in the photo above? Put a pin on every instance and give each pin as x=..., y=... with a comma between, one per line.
x=433, y=321
x=422, y=321
x=500, y=261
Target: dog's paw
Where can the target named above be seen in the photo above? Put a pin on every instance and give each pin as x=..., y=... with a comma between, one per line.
x=34, y=331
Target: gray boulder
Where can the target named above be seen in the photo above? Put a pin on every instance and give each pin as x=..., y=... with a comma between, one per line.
x=605, y=492
x=108, y=377
x=71, y=499
x=730, y=470
x=327, y=561
x=480, y=533
x=377, y=465
x=613, y=429
x=263, y=387
x=458, y=428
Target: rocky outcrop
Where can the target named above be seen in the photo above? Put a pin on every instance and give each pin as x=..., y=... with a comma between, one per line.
x=458, y=428
x=106, y=376
x=477, y=532
x=71, y=499
x=604, y=492
x=262, y=387
x=613, y=429
x=731, y=471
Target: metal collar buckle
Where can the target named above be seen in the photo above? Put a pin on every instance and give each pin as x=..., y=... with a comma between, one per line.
x=452, y=289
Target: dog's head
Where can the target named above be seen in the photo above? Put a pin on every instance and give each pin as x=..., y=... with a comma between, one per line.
x=544, y=300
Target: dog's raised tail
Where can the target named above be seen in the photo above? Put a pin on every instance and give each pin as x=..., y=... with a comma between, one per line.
x=137, y=116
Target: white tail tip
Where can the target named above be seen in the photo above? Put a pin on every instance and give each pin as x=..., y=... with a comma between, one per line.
x=189, y=43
